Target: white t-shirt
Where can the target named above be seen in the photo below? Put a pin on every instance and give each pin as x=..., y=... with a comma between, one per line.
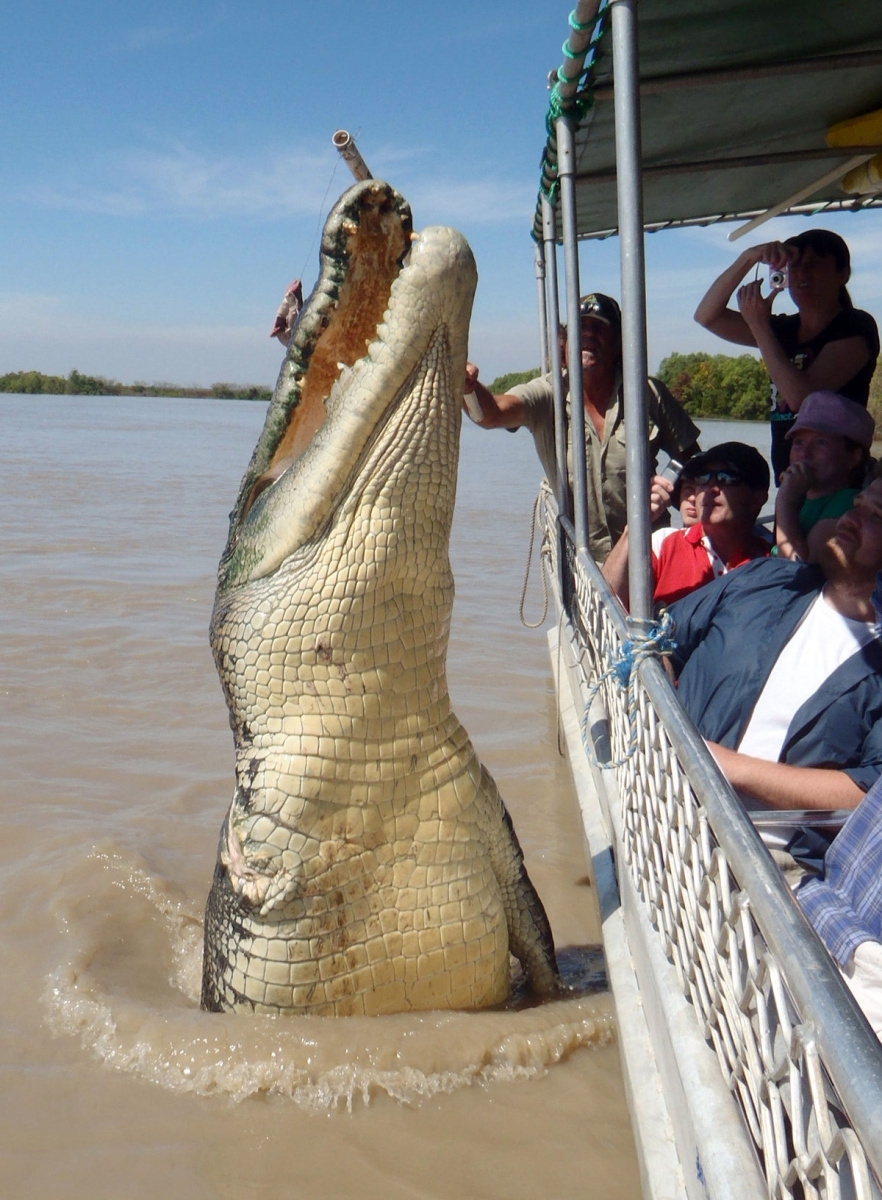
x=822, y=642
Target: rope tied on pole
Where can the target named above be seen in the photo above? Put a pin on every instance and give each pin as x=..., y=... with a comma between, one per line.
x=571, y=89
x=582, y=26
x=656, y=641
x=574, y=105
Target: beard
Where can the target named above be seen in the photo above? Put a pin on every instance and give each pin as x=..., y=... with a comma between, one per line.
x=833, y=559
x=841, y=564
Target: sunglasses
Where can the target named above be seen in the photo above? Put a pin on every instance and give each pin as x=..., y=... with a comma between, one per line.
x=592, y=307
x=724, y=478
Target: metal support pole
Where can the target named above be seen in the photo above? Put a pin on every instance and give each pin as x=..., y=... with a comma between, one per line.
x=565, y=131
x=634, y=366
x=539, y=262
x=344, y=143
x=563, y=495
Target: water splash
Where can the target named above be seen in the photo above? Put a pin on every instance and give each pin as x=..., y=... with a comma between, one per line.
x=129, y=991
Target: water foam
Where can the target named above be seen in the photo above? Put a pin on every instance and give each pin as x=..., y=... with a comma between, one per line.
x=159, y=1034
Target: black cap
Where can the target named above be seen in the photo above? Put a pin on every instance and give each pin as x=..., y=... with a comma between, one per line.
x=601, y=308
x=825, y=243
x=742, y=460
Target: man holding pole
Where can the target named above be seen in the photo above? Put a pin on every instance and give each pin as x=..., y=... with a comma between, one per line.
x=531, y=405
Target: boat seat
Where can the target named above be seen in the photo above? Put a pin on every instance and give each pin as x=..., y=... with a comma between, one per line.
x=799, y=838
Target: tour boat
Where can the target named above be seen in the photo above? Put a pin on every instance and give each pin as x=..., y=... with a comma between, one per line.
x=749, y=1069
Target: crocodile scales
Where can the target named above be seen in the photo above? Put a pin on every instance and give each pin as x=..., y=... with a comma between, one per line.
x=367, y=864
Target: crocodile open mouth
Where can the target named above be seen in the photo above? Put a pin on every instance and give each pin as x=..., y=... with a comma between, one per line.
x=366, y=240
x=371, y=346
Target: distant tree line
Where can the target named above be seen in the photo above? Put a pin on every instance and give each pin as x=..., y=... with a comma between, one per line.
x=502, y=383
x=725, y=386
x=734, y=388
x=707, y=385
x=875, y=402
x=35, y=383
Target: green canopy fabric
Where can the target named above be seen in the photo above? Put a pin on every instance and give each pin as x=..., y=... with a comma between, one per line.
x=736, y=99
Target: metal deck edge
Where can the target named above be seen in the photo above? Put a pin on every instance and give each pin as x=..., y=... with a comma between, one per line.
x=660, y=1169
x=691, y=1140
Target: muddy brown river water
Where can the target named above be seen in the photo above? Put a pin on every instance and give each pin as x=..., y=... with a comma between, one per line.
x=117, y=769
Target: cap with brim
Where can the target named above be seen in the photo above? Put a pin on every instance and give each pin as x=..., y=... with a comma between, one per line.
x=601, y=308
x=825, y=243
x=742, y=460
x=828, y=412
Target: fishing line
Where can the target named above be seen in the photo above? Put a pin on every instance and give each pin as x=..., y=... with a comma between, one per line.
x=320, y=220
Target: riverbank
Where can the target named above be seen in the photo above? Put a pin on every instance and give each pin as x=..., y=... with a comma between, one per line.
x=35, y=383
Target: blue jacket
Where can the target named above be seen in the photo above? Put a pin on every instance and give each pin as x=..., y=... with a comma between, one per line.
x=728, y=637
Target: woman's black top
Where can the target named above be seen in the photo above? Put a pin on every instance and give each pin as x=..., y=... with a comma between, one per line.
x=850, y=322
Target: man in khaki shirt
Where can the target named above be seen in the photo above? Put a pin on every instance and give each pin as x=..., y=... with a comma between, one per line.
x=531, y=405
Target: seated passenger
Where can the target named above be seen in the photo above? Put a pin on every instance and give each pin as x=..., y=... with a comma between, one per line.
x=531, y=404
x=779, y=665
x=731, y=484
x=683, y=498
x=829, y=450
x=844, y=905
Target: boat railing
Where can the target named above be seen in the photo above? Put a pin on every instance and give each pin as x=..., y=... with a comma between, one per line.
x=799, y=1059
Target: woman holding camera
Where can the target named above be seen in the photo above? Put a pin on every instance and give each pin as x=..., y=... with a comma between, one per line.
x=828, y=345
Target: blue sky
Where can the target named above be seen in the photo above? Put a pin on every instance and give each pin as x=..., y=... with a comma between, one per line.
x=166, y=169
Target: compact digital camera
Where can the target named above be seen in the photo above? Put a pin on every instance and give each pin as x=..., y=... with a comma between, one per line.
x=672, y=470
x=778, y=277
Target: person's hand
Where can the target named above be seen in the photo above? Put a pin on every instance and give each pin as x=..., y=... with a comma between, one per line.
x=471, y=378
x=796, y=481
x=754, y=306
x=775, y=254
x=660, y=495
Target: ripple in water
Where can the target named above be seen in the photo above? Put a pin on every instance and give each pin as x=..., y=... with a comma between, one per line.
x=130, y=992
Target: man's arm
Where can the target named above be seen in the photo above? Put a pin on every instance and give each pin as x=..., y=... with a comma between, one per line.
x=783, y=786
x=615, y=569
x=497, y=412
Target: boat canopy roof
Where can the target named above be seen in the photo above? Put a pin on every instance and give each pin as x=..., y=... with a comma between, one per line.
x=738, y=98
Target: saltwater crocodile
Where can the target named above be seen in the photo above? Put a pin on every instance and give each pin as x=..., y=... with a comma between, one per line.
x=367, y=864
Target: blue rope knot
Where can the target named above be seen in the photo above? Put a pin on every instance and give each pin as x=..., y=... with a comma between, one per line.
x=656, y=641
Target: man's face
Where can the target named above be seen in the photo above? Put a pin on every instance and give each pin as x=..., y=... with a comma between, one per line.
x=856, y=543
x=829, y=458
x=724, y=500
x=688, y=507
x=600, y=344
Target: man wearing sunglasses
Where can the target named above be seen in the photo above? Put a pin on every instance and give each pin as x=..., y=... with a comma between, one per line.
x=731, y=484
x=531, y=405
x=779, y=664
